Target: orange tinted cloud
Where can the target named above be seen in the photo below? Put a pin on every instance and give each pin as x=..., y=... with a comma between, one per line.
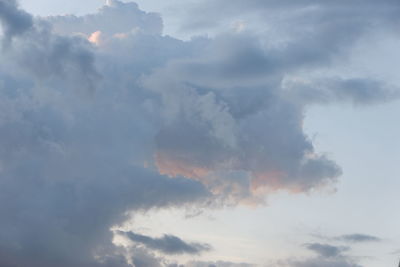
x=173, y=167
x=95, y=38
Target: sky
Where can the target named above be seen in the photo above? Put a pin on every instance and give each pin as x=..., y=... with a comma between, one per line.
x=199, y=133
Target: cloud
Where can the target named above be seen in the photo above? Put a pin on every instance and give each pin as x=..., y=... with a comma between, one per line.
x=168, y=244
x=222, y=95
x=338, y=90
x=359, y=238
x=327, y=255
x=221, y=104
x=217, y=264
x=309, y=14
x=132, y=120
x=30, y=48
x=326, y=250
x=207, y=83
x=317, y=262
x=143, y=258
x=71, y=162
x=13, y=20
x=352, y=238
x=113, y=18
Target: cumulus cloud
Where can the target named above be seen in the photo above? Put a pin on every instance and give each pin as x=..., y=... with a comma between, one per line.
x=102, y=115
x=168, y=244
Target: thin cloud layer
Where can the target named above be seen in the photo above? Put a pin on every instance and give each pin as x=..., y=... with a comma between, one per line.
x=102, y=115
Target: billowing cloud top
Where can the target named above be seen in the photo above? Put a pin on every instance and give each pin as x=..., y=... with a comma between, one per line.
x=103, y=114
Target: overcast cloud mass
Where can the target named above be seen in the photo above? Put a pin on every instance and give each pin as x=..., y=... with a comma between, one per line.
x=103, y=115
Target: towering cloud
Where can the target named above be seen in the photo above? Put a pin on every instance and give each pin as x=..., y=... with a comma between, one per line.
x=102, y=115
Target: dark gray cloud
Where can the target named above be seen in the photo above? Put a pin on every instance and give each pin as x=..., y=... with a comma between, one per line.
x=168, y=244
